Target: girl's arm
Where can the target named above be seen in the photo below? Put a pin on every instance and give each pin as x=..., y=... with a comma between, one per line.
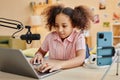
x=41, y=52
x=60, y=64
x=77, y=61
x=38, y=58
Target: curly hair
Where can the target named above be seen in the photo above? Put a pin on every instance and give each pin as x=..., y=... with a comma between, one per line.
x=80, y=16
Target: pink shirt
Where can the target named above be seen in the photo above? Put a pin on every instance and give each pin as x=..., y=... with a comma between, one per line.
x=63, y=50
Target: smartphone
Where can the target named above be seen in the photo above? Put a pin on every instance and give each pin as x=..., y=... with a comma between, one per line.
x=104, y=48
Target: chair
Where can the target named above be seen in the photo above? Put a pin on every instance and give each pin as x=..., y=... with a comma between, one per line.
x=87, y=51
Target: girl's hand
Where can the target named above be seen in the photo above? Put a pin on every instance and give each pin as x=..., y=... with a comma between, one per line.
x=49, y=67
x=38, y=59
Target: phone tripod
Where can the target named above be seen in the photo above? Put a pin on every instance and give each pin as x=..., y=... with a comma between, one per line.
x=116, y=59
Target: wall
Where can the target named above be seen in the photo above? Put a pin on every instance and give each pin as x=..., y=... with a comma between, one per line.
x=14, y=9
x=20, y=10
x=105, y=15
x=17, y=10
x=110, y=7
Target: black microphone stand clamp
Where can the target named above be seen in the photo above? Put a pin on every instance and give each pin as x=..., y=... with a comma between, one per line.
x=28, y=40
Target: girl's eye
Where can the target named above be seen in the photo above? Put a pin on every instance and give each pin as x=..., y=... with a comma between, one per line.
x=64, y=26
x=56, y=26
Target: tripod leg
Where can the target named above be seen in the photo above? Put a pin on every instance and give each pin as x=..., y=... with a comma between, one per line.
x=118, y=54
x=117, y=66
x=108, y=69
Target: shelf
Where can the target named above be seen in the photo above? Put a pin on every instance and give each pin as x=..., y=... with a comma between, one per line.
x=116, y=36
x=116, y=33
x=116, y=41
x=117, y=23
x=39, y=7
x=38, y=10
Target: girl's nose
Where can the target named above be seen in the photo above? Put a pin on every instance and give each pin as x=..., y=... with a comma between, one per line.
x=60, y=29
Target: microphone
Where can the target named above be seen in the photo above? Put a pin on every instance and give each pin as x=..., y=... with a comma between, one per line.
x=29, y=36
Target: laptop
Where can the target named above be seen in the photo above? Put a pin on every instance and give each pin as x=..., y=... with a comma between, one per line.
x=14, y=61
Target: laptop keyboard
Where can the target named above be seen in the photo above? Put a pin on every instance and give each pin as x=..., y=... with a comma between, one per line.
x=47, y=73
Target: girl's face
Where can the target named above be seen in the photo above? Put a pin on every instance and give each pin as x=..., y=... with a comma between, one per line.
x=63, y=25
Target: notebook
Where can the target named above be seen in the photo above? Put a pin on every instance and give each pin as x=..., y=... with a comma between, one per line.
x=13, y=61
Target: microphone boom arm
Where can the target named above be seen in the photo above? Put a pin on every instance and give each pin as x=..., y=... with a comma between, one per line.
x=4, y=21
x=28, y=36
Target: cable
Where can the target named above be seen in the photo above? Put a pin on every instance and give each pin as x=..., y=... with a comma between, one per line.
x=10, y=21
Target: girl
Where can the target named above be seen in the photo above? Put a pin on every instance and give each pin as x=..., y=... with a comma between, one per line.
x=65, y=44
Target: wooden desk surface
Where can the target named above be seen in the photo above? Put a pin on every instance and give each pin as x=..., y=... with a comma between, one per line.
x=79, y=73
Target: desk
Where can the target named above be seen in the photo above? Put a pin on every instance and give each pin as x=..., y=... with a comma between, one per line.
x=79, y=73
